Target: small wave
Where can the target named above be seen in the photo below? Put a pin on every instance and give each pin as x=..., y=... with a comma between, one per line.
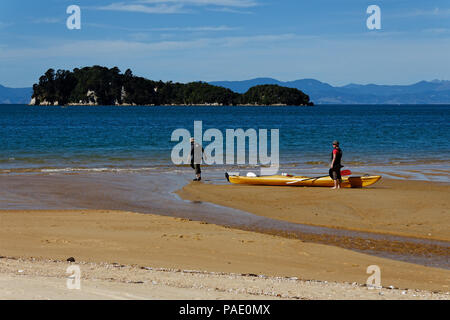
x=98, y=170
x=75, y=170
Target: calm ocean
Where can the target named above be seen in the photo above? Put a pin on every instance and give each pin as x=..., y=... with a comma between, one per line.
x=399, y=140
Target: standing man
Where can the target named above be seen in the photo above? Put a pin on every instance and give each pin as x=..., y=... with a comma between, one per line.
x=196, y=159
x=335, y=171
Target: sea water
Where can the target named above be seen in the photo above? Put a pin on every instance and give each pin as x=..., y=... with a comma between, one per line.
x=402, y=141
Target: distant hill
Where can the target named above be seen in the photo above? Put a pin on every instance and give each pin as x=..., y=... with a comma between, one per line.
x=15, y=95
x=424, y=92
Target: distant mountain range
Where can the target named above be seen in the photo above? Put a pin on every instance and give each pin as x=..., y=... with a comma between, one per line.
x=15, y=95
x=423, y=92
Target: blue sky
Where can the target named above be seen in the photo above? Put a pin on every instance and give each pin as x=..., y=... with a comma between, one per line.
x=187, y=40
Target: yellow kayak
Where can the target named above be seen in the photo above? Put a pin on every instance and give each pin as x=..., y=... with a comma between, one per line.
x=287, y=180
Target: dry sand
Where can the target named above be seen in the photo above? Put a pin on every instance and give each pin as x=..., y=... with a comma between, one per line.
x=163, y=242
x=32, y=279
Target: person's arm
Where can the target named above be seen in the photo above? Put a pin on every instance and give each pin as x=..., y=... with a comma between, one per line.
x=334, y=158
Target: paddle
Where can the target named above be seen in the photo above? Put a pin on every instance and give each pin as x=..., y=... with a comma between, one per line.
x=343, y=173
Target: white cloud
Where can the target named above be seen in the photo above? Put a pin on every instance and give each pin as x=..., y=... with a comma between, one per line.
x=438, y=12
x=179, y=6
x=104, y=47
x=205, y=28
x=221, y=3
x=157, y=9
x=4, y=24
x=47, y=20
x=437, y=31
x=165, y=29
x=230, y=10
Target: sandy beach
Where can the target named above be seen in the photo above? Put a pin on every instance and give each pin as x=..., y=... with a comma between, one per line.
x=139, y=240
x=227, y=257
x=43, y=279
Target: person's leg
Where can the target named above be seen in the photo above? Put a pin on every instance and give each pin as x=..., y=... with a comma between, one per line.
x=193, y=166
x=335, y=184
x=334, y=177
x=198, y=172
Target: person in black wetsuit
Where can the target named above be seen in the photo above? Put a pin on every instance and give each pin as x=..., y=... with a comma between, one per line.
x=335, y=167
x=196, y=158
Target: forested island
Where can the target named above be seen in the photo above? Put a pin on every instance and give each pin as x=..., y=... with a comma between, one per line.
x=99, y=85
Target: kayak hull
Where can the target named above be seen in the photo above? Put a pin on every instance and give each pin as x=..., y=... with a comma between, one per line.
x=299, y=181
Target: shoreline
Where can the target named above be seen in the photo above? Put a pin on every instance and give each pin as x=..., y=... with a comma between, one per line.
x=435, y=172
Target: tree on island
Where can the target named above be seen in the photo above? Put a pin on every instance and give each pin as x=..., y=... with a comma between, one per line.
x=99, y=85
x=274, y=94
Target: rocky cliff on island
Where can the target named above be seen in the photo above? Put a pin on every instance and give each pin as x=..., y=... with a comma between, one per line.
x=103, y=86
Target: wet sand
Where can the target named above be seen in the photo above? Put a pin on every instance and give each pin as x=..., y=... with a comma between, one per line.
x=164, y=242
x=405, y=208
x=410, y=223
